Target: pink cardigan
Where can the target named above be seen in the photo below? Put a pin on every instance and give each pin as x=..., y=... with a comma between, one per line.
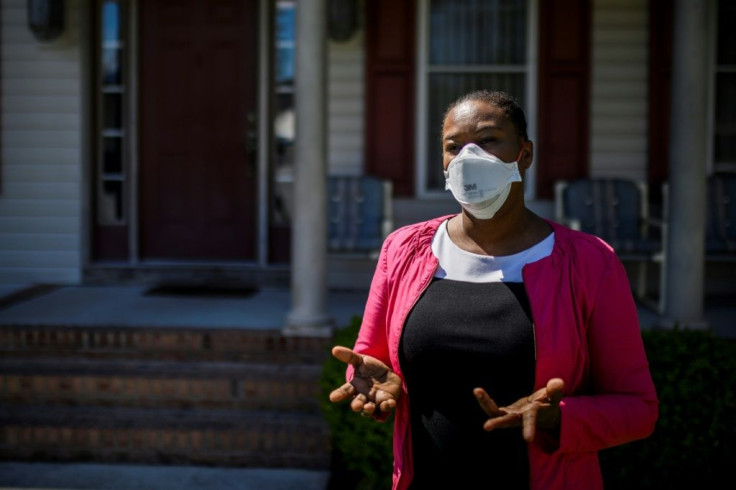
x=586, y=332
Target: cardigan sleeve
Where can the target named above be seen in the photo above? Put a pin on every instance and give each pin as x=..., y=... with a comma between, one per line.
x=372, y=338
x=621, y=405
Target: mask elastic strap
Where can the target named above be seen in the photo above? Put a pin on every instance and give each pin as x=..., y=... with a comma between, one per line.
x=518, y=158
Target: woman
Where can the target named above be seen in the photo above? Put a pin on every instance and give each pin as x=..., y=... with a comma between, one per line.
x=495, y=319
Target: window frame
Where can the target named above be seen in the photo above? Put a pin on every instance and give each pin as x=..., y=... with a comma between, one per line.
x=423, y=70
x=714, y=69
x=103, y=133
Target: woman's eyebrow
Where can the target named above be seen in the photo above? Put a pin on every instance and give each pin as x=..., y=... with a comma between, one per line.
x=488, y=127
x=482, y=128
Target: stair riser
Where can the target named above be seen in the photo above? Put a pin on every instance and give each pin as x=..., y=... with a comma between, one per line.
x=174, y=343
x=108, y=369
x=263, y=446
x=147, y=392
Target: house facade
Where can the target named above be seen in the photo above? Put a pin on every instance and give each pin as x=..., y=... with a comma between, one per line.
x=157, y=139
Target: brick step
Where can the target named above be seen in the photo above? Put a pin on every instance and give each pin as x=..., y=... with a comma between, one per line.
x=161, y=343
x=162, y=384
x=217, y=437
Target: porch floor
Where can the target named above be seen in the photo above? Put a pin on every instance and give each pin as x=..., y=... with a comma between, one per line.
x=262, y=309
x=140, y=306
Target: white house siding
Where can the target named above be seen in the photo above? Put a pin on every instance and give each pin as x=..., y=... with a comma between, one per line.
x=40, y=194
x=619, y=105
x=345, y=111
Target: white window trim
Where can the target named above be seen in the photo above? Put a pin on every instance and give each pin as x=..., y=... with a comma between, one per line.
x=133, y=128
x=422, y=70
x=264, y=129
x=712, y=47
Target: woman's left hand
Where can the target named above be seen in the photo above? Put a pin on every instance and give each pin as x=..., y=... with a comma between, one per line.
x=541, y=409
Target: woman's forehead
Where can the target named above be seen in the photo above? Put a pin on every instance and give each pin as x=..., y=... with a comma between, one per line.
x=474, y=115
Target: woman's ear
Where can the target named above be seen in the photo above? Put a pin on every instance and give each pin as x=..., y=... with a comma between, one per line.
x=527, y=154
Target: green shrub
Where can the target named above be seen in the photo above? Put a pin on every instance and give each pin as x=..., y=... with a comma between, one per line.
x=694, y=441
x=362, y=452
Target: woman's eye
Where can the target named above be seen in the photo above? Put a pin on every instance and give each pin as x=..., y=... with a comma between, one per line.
x=486, y=141
x=451, y=148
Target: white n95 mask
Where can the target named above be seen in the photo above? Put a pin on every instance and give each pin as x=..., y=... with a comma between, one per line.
x=479, y=181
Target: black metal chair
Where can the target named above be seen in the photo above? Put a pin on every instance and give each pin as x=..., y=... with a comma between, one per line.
x=720, y=224
x=359, y=214
x=616, y=210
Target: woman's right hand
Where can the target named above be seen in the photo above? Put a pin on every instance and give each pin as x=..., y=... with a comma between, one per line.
x=375, y=389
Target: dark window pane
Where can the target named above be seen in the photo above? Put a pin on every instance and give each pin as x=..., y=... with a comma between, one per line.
x=111, y=202
x=111, y=69
x=112, y=111
x=112, y=157
x=443, y=89
x=486, y=32
x=725, y=130
x=726, y=33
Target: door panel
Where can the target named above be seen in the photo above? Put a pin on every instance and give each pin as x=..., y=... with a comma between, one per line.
x=564, y=92
x=389, y=113
x=198, y=101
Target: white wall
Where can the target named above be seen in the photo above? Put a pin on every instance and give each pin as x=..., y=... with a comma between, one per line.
x=40, y=171
x=619, y=105
x=346, y=93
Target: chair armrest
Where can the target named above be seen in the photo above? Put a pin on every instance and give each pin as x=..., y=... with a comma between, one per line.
x=657, y=222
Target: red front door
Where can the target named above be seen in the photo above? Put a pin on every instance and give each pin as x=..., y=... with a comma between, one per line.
x=198, y=72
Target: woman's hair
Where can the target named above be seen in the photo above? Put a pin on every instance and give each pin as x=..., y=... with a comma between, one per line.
x=510, y=107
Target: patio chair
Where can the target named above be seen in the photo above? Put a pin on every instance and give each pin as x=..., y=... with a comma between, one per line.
x=616, y=210
x=359, y=214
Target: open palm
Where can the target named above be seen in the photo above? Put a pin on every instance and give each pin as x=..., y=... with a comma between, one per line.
x=374, y=387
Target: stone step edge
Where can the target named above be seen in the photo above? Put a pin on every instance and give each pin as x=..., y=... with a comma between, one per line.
x=162, y=419
x=164, y=385
x=181, y=340
x=227, y=438
x=34, y=366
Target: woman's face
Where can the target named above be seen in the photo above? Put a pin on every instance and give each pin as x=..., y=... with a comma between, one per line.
x=487, y=126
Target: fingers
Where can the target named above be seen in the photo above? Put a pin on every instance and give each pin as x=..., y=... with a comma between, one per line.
x=342, y=393
x=387, y=405
x=368, y=409
x=529, y=424
x=347, y=355
x=358, y=403
x=554, y=390
x=501, y=422
x=526, y=411
x=486, y=402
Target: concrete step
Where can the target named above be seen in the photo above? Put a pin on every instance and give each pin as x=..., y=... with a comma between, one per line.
x=28, y=475
x=160, y=384
x=160, y=343
x=201, y=437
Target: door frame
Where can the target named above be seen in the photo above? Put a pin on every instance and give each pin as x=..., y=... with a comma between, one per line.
x=263, y=156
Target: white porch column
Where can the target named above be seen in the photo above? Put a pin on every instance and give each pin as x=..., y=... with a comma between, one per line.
x=309, y=315
x=687, y=173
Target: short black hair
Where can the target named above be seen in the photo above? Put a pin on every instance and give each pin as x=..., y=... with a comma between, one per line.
x=508, y=104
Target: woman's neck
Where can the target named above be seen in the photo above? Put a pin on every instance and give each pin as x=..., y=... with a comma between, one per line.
x=507, y=233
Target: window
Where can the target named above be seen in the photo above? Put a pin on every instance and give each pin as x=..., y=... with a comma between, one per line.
x=111, y=168
x=467, y=46
x=724, y=113
x=284, y=109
